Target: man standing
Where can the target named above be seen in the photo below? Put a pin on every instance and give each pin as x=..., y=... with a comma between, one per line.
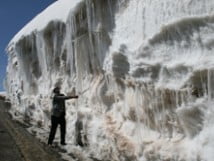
x=58, y=115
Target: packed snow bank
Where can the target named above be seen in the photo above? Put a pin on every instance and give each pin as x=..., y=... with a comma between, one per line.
x=143, y=71
x=3, y=95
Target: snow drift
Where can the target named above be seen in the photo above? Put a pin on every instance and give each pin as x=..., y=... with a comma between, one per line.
x=143, y=70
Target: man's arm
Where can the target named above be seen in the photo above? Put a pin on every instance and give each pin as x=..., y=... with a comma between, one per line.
x=62, y=97
x=70, y=97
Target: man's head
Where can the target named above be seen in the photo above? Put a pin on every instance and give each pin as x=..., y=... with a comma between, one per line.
x=56, y=90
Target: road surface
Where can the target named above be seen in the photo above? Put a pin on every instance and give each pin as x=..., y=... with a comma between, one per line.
x=16, y=144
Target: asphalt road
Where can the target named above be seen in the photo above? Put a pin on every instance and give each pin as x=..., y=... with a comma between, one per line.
x=8, y=149
x=16, y=144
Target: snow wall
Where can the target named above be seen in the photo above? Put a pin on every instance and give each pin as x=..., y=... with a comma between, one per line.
x=143, y=70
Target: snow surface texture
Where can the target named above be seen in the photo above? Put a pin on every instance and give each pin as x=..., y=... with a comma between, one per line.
x=143, y=70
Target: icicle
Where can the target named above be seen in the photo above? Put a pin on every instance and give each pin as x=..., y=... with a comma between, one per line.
x=210, y=75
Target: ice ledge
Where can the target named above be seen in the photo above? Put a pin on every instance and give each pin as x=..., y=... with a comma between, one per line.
x=59, y=10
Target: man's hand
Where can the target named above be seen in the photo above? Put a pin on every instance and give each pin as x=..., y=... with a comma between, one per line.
x=75, y=97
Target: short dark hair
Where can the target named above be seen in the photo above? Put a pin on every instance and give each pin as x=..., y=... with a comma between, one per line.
x=56, y=89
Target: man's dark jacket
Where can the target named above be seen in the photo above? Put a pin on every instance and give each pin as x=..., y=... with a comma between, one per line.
x=58, y=109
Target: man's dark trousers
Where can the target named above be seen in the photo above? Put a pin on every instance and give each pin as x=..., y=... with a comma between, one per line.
x=54, y=123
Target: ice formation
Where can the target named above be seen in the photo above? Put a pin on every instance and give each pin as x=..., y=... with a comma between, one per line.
x=143, y=70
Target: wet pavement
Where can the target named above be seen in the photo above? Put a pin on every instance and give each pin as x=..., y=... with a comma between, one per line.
x=8, y=149
x=16, y=144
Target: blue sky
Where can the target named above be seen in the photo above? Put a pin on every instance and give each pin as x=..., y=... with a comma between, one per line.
x=13, y=16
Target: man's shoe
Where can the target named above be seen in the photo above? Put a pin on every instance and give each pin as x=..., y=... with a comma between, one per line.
x=63, y=144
